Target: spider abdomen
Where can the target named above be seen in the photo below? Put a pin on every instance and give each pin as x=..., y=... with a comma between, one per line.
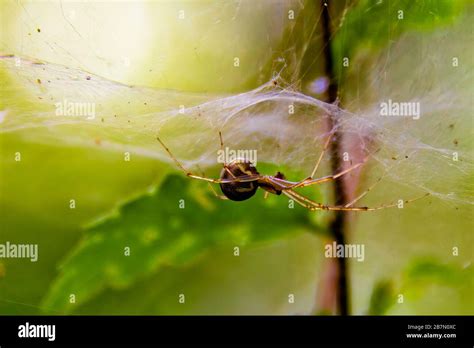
x=238, y=191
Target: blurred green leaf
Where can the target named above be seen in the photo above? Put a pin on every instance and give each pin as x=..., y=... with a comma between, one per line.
x=421, y=274
x=382, y=297
x=374, y=24
x=426, y=280
x=159, y=232
x=429, y=270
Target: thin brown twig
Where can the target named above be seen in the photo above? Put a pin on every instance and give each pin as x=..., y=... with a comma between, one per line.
x=340, y=222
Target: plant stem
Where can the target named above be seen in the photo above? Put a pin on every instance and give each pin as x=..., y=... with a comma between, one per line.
x=340, y=222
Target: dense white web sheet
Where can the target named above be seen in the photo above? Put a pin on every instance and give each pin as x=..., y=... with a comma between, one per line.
x=415, y=153
x=259, y=119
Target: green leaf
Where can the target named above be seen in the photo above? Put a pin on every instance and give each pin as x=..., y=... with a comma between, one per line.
x=382, y=297
x=429, y=270
x=159, y=232
x=374, y=24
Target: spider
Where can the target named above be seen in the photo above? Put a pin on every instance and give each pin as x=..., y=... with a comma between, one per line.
x=239, y=180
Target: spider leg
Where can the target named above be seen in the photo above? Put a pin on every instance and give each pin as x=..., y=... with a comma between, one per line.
x=311, y=205
x=222, y=142
x=326, y=144
x=363, y=193
x=224, y=198
x=293, y=194
x=308, y=179
x=180, y=166
x=245, y=178
x=330, y=177
x=212, y=188
x=391, y=205
x=288, y=185
x=304, y=201
x=222, y=149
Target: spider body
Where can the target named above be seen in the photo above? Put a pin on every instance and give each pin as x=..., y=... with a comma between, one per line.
x=239, y=191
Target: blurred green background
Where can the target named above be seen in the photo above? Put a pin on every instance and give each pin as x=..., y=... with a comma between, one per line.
x=190, y=251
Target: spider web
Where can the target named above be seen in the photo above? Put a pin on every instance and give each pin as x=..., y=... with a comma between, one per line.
x=135, y=102
x=414, y=153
